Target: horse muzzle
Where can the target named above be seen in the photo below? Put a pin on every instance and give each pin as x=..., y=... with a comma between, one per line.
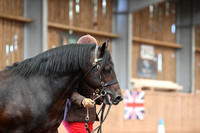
x=111, y=99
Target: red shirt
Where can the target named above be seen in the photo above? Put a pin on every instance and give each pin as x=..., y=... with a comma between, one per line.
x=77, y=127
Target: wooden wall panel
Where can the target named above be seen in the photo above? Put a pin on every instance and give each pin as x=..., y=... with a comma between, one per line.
x=180, y=114
x=55, y=39
x=84, y=18
x=11, y=32
x=168, y=62
x=178, y=111
x=58, y=12
x=156, y=26
x=11, y=7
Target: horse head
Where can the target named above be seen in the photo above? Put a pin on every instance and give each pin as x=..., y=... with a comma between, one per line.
x=100, y=76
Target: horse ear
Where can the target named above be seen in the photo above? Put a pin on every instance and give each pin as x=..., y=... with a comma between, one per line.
x=103, y=47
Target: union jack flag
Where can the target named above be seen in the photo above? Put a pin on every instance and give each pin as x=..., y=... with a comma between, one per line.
x=134, y=105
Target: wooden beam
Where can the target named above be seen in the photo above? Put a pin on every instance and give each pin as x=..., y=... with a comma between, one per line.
x=156, y=43
x=82, y=30
x=156, y=84
x=197, y=49
x=16, y=18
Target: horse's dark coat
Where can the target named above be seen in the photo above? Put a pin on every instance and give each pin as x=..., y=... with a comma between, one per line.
x=33, y=92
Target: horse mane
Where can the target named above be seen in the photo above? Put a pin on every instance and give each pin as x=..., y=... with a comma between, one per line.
x=62, y=59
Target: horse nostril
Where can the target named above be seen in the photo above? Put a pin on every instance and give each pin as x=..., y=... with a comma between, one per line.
x=119, y=98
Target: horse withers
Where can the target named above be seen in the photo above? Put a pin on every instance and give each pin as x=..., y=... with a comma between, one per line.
x=33, y=92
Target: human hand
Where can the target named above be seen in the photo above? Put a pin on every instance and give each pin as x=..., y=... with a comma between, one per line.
x=87, y=102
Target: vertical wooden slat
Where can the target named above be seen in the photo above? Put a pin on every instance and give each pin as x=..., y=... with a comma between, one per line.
x=74, y=13
x=4, y=6
x=12, y=8
x=9, y=60
x=13, y=42
x=1, y=39
x=49, y=38
x=49, y=11
x=17, y=5
x=57, y=43
x=10, y=43
x=20, y=40
x=4, y=43
x=54, y=38
x=197, y=59
x=66, y=11
x=62, y=13
x=54, y=11
x=21, y=7
x=1, y=6
x=58, y=15
x=109, y=15
x=100, y=22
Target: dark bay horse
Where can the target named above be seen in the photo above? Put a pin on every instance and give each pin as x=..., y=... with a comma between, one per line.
x=33, y=92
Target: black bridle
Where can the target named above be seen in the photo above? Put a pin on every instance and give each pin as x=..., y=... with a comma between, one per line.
x=99, y=92
x=95, y=64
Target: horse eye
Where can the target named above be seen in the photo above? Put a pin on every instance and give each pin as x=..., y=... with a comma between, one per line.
x=107, y=70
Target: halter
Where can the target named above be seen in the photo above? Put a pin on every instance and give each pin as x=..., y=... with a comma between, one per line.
x=99, y=92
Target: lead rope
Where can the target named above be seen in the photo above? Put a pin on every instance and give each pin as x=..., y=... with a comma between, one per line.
x=102, y=119
x=87, y=120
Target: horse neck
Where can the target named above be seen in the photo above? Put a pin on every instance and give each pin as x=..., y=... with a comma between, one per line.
x=64, y=84
x=64, y=87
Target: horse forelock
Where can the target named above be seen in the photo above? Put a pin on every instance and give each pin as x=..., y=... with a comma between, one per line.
x=63, y=59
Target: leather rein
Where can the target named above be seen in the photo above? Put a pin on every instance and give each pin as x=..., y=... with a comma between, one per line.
x=99, y=92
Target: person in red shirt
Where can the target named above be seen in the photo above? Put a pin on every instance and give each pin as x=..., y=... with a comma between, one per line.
x=75, y=110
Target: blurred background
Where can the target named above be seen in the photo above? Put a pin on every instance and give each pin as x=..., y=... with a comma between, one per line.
x=155, y=46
